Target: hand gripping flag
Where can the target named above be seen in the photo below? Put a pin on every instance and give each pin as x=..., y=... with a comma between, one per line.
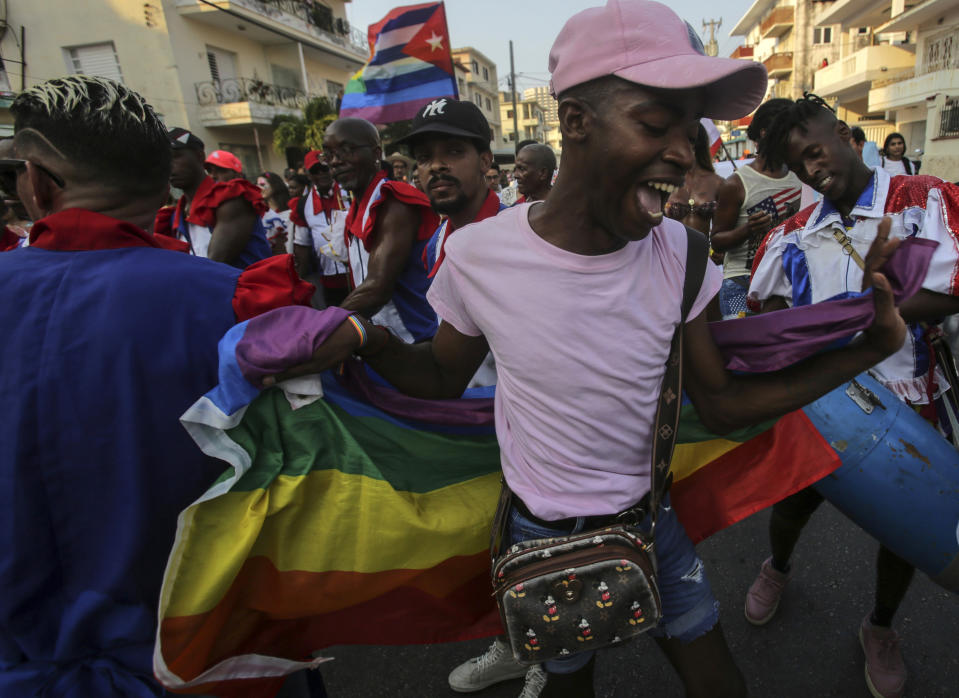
x=410, y=64
x=363, y=517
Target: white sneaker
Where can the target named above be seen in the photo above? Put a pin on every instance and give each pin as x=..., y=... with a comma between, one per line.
x=535, y=682
x=494, y=665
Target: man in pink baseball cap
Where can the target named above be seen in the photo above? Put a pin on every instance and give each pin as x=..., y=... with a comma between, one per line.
x=579, y=297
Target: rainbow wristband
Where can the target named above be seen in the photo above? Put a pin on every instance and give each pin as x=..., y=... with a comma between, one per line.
x=360, y=330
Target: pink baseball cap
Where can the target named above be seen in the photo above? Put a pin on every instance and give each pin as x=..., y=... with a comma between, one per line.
x=647, y=43
x=226, y=160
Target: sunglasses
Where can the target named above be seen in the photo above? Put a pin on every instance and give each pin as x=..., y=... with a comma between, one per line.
x=15, y=166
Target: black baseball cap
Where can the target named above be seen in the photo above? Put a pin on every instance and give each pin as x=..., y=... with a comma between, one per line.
x=453, y=118
x=181, y=138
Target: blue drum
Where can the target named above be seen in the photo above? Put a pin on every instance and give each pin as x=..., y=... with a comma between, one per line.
x=899, y=478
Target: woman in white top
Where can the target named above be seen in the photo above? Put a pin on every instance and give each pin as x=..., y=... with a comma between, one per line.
x=276, y=221
x=893, y=156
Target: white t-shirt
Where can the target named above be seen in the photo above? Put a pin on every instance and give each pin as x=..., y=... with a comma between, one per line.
x=894, y=167
x=580, y=344
x=276, y=222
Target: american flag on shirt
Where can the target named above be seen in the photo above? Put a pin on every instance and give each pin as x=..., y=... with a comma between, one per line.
x=780, y=206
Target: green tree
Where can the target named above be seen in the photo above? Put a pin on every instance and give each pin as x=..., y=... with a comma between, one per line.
x=303, y=132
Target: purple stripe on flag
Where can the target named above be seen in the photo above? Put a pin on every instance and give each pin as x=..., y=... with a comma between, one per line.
x=283, y=338
x=459, y=412
x=775, y=340
x=390, y=112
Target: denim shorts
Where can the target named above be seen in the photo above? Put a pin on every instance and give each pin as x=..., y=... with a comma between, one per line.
x=689, y=608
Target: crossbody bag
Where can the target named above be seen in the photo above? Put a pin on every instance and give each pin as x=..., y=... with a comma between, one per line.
x=559, y=596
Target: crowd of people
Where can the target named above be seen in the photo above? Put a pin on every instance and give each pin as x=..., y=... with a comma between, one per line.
x=458, y=275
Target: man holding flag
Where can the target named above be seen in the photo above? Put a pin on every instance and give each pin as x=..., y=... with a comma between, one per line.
x=577, y=369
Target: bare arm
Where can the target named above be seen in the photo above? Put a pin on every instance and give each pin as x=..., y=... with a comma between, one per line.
x=392, y=239
x=726, y=234
x=928, y=306
x=774, y=303
x=235, y=220
x=437, y=369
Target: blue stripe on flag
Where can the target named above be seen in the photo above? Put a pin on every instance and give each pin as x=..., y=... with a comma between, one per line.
x=409, y=18
x=233, y=390
x=398, y=83
x=438, y=88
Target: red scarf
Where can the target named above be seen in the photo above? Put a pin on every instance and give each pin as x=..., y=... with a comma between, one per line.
x=210, y=194
x=76, y=230
x=402, y=192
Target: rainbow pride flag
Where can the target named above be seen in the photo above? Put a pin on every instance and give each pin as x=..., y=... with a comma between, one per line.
x=363, y=517
x=410, y=64
x=352, y=514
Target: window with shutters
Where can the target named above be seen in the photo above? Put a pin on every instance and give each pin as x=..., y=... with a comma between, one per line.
x=94, y=59
x=222, y=64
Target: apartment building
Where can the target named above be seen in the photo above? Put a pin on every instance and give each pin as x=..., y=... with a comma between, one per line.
x=899, y=70
x=479, y=85
x=786, y=36
x=530, y=119
x=222, y=68
x=554, y=138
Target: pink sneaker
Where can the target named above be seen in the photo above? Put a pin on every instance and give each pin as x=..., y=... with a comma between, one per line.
x=885, y=670
x=763, y=596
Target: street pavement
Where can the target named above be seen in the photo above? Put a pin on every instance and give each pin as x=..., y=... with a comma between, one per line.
x=809, y=649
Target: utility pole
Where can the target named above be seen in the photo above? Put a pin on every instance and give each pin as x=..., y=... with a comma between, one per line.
x=512, y=84
x=712, y=48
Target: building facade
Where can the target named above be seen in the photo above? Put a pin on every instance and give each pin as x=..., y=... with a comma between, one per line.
x=553, y=136
x=222, y=68
x=479, y=84
x=786, y=37
x=900, y=72
x=530, y=120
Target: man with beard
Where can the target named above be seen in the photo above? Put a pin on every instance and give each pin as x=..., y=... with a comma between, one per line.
x=579, y=297
x=819, y=255
x=386, y=231
x=535, y=164
x=218, y=220
x=450, y=143
x=312, y=214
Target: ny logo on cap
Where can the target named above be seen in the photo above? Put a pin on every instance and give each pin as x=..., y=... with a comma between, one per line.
x=433, y=108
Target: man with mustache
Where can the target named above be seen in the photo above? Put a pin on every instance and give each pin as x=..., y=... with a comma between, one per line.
x=387, y=228
x=450, y=143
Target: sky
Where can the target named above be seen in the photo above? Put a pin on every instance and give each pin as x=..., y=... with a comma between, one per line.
x=488, y=25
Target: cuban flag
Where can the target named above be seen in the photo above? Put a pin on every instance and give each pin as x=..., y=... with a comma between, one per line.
x=712, y=134
x=410, y=64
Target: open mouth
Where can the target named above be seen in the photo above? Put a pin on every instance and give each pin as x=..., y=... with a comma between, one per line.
x=652, y=196
x=823, y=184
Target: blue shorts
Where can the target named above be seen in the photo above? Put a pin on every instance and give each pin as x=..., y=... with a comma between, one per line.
x=689, y=608
x=732, y=297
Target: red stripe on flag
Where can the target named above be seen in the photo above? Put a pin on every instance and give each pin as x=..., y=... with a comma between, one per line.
x=777, y=463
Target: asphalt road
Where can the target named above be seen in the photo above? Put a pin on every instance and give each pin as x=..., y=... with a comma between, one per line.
x=809, y=649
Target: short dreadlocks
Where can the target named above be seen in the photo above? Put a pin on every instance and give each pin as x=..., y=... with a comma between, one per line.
x=796, y=115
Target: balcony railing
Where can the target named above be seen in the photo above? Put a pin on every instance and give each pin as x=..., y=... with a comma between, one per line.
x=779, y=63
x=306, y=16
x=941, y=53
x=777, y=23
x=247, y=90
x=742, y=52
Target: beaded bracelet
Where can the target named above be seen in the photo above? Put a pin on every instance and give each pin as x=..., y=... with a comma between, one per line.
x=360, y=330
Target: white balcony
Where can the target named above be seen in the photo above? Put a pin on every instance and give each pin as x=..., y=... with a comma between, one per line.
x=852, y=76
x=246, y=102
x=311, y=24
x=914, y=91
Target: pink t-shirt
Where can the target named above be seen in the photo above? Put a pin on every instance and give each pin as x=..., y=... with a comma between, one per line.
x=580, y=344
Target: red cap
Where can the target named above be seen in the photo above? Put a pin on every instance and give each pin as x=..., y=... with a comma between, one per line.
x=314, y=157
x=226, y=160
